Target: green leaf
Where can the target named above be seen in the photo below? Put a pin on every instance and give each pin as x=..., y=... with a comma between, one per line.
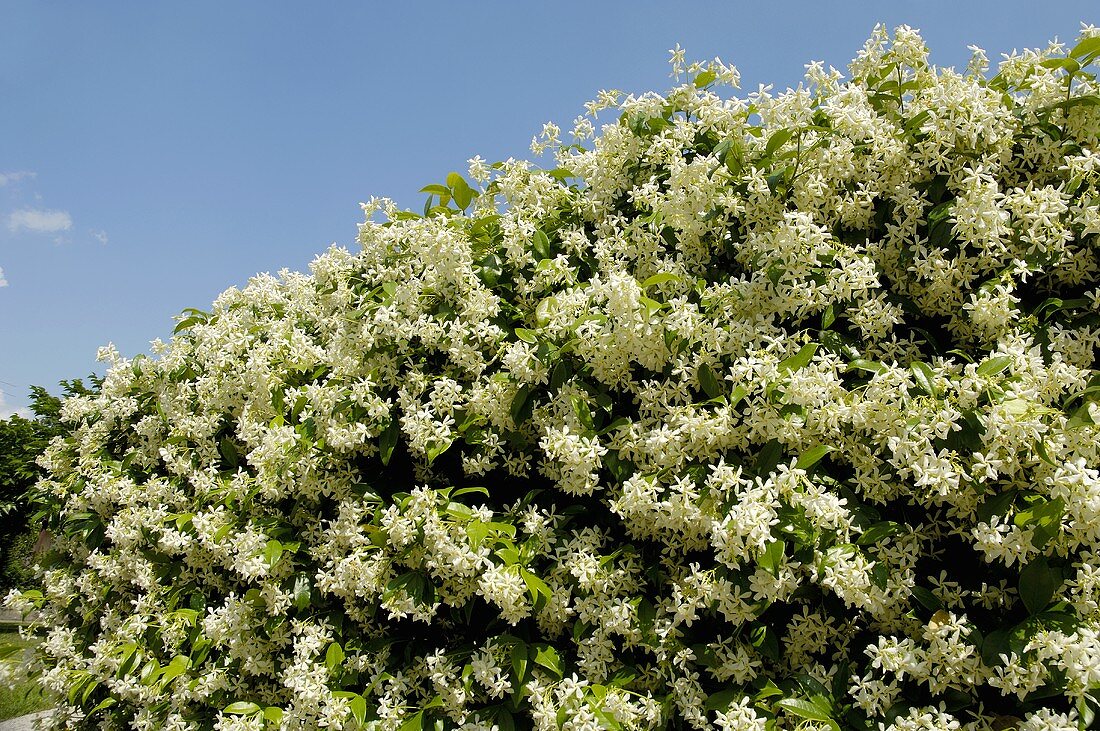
x=335, y=656
x=437, y=448
x=519, y=661
x=813, y=456
x=878, y=531
x=89, y=689
x=923, y=375
x=527, y=336
x=1086, y=711
x=301, y=592
x=541, y=245
x=993, y=366
x=414, y=722
x=721, y=700
x=1037, y=584
x=622, y=677
x=105, y=703
x=777, y=139
x=828, y=317
x=880, y=575
x=708, y=380
x=473, y=490
x=388, y=440
x=764, y=639
x=179, y=665
x=584, y=414
x=241, y=708
x=805, y=709
x=1087, y=47
x=1041, y=448
x=273, y=551
x=275, y=714
x=1044, y=518
x=995, y=505
x=769, y=690
x=927, y=598
x=547, y=657
x=771, y=558
x=862, y=364
x=229, y=452
x=799, y=360
x=660, y=279
x=705, y=78
x=358, y=707
x=518, y=404
x=460, y=190
x=504, y=719
x=535, y=585
x=768, y=457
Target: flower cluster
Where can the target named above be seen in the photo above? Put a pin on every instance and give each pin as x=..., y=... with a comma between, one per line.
x=764, y=412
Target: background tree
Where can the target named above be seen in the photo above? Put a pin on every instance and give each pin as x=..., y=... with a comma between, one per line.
x=22, y=440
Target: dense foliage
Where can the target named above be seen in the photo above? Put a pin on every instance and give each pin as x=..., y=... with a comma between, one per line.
x=22, y=441
x=754, y=413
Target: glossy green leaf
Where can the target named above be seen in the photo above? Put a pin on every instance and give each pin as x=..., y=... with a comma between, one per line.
x=334, y=657
x=547, y=658
x=583, y=413
x=535, y=585
x=771, y=558
x=519, y=661
x=799, y=360
x=777, y=140
x=993, y=366
x=708, y=381
x=1087, y=48
x=813, y=456
x=879, y=531
x=519, y=402
x=705, y=78
x=413, y=723
x=924, y=376
x=806, y=709
x=661, y=278
x=388, y=440
x=541, y=245
x=1038, y=581
x=862, y=364
x=273, y=551
x=103, y=704
x=358, y=707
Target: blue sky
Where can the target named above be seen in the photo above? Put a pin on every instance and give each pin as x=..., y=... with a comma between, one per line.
x=154, y=154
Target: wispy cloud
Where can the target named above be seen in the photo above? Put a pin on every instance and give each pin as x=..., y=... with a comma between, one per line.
x=3, y=282
x=7, y=411
x=100, y=236
x=39, y=220
x=15, y=177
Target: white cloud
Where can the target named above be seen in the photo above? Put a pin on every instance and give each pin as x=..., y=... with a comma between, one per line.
x=39, y=220
x=8, y=411
x=3, y=282
x=100, y=236
x=14, y=177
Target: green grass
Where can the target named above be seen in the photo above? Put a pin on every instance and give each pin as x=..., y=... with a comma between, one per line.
x=26, y=697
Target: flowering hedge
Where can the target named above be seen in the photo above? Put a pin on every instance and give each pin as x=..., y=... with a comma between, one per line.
x=754, y=413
